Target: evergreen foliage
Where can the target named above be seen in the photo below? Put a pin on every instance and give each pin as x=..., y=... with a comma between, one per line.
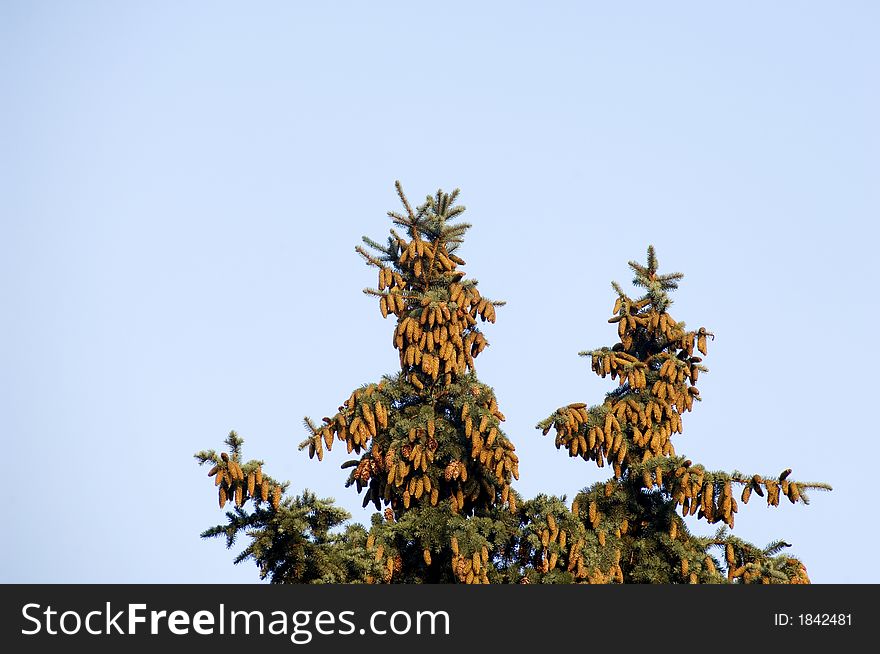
x=431, y=457
x=633, y=514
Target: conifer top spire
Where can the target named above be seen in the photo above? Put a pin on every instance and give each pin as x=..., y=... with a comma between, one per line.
x=657, y=285
x=424, y=430
x=632, y=430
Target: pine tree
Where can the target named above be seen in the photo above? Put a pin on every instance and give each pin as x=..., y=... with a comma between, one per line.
x=430, y=446
x=631, y=529
x=429, y=437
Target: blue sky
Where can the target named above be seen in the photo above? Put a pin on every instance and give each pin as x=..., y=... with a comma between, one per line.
x=182, y=185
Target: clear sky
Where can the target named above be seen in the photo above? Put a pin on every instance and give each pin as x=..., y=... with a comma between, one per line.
x=182, y=185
